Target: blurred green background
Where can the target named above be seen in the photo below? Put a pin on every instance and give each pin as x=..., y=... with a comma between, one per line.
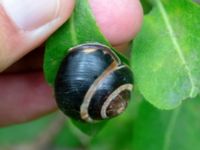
x=56, y=132
x=141, y=127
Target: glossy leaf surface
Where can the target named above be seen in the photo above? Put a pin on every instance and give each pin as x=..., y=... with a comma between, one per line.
x=80, y=29
x=166, y=53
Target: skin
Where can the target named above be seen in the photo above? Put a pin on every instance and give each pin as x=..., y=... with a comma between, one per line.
x=24, y=94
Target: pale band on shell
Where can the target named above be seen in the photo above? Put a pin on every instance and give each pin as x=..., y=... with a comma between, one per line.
x=86, y=101
x=91, y=91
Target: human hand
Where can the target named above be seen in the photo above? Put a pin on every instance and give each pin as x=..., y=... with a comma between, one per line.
x=25, y=25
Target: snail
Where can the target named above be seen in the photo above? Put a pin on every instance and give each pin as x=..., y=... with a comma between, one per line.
x=92, y=83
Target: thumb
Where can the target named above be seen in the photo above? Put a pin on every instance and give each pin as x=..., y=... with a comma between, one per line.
x=25, y=24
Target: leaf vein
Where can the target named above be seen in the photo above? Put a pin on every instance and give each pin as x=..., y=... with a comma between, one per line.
x=73, y=31
x=177, y=46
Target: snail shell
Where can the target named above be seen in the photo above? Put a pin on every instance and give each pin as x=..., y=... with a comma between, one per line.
x=92, y=83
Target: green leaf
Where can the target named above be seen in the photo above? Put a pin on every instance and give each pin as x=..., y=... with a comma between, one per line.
x=166, y=53
x=81, y=28
x=177, y=129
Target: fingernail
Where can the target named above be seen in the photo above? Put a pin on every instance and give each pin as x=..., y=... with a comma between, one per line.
x=31, y=14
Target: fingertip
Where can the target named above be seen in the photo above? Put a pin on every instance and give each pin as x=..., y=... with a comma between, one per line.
x=118, y=20
x=22, y=29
